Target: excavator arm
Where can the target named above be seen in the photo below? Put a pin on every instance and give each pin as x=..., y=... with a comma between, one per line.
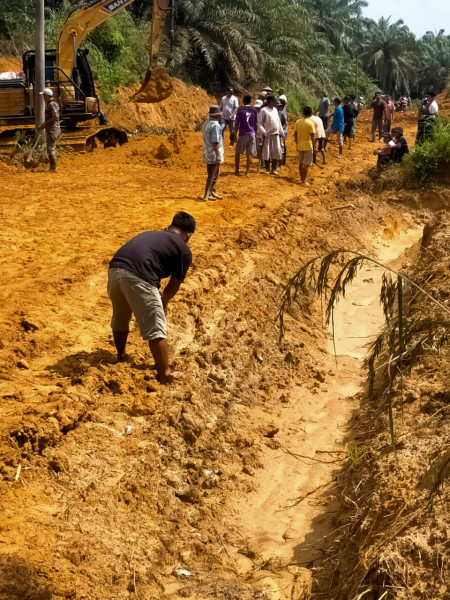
x=81, y=23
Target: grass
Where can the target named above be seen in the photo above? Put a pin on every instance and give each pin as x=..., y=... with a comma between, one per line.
x=408, y=333
x=424, y=165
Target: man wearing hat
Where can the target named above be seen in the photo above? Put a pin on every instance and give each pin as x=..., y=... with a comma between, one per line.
x=229, y=106
x=213, y=154
x=51, y=126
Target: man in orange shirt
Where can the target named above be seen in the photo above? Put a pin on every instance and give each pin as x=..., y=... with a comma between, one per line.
x=304, y=138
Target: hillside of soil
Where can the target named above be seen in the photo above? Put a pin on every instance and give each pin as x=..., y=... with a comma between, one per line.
x=183, y=109
x=228, y=484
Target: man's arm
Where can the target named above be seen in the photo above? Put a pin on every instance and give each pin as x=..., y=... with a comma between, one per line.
x=170, y=290
x=53, y=119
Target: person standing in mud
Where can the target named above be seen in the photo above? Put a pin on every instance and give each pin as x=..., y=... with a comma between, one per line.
x=213, y=152
x=270, y=132
x=229, y=105
x=324, y=110
x=378, y=106
x=134, y=281
x=51, y=126
x=388, y=113
x=319, y=139
x=337, y=126
x=305, y=131
x=246, y=123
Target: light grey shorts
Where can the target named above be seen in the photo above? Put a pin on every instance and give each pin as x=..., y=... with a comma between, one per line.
x=246, y=144
x=132, y=295
x=305, y=158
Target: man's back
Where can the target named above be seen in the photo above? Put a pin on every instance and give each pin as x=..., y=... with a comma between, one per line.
x=304, y=128
x=154, y=255
x=324, y=106
x=338, y=119
x=246, y=120
x=318, y=124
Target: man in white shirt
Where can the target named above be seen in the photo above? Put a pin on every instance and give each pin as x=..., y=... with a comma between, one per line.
x=319, y=139
x=270, y=132
x=229, y=105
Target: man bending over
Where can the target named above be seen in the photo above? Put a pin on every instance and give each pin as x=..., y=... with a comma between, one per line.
x=134, y=280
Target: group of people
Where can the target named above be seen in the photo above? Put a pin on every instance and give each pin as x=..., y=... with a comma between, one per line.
x=261, y=130
x=137, y=268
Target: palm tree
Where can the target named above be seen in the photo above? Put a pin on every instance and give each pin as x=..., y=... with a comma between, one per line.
x=389, y=55
x=337, y=19
x=434, y=49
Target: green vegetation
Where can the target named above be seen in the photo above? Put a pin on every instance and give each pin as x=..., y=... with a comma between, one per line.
x=430, y=159
x=302, y=45
x=408, y=332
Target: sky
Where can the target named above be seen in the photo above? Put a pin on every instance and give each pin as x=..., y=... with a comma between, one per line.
x=420, y=16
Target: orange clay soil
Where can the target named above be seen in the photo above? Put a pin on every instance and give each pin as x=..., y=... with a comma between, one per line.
x=86, y=511
x=186, y=106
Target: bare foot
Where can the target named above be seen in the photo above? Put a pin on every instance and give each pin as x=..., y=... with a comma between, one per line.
x=170, y=378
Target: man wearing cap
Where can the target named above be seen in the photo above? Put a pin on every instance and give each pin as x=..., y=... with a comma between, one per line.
x=213, y=153
x=229, y=106
x=134, y=286
x=246, y=123
x=51, y=126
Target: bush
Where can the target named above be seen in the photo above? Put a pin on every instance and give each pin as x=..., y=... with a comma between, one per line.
x=426, y=162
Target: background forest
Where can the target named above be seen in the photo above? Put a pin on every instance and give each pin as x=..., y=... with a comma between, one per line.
x=302, y=45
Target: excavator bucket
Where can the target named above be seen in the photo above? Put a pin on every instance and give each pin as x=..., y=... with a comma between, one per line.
x=157, y=86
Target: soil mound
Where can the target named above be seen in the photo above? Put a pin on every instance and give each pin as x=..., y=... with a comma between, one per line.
x=157, y=87
x=10, y=63
x=183, y=109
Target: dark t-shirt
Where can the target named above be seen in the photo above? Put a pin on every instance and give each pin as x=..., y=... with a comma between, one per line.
x=348, y=113
x=378, y=109
x=154, y=255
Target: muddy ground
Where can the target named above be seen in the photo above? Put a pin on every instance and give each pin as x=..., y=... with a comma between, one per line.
x=225, y=486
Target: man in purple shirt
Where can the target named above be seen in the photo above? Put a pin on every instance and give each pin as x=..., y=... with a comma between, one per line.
x=246, y=122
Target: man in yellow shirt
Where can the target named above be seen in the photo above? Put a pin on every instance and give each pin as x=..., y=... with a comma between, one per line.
x=304, y=138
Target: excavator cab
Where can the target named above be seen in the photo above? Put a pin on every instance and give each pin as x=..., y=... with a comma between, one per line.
x=75, y=93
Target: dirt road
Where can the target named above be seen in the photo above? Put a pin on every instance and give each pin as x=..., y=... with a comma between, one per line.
x=89, y=512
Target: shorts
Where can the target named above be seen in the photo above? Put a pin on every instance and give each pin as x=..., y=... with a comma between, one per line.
x=305, y=158
x=50, y=141
x=132, y=295
x=246, y=144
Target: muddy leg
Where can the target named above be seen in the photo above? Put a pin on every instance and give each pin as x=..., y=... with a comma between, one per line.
x=120, y=342
x=52, y=160
x=249, y=163
x=237, y=160
x=160, y=354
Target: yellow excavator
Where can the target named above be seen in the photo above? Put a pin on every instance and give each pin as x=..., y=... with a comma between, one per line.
x=68, y=74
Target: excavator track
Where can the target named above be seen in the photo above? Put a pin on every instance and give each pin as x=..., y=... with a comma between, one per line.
x=82, y=139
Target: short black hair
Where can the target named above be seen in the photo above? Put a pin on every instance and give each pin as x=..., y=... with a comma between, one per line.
x=352, y=97
x=184, y=221
x=431, y=93
x=282, y=101
x=307, y=111
x=270, y=98
x=247, y=99
x=338, y=100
